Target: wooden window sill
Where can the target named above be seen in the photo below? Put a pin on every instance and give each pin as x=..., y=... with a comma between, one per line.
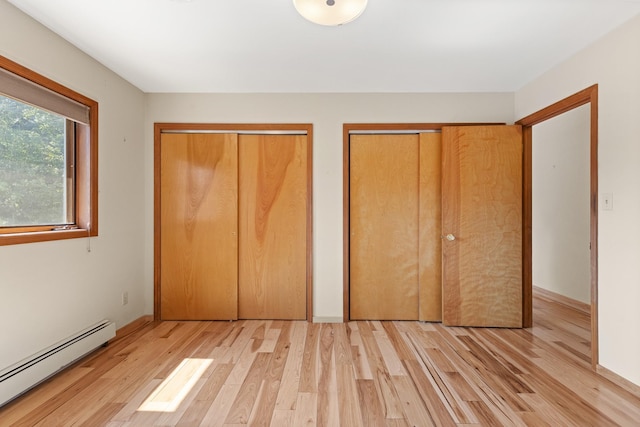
x=45, y=236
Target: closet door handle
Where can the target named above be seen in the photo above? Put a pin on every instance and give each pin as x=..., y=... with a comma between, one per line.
x=449, y=237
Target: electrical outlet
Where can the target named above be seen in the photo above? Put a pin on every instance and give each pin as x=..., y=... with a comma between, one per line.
x=125, y=298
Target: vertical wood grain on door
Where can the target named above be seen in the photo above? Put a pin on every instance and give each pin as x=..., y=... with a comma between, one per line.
x=430, y=244
x=384, y=227
x=273, y=227
x=482, y=209
x=199, y=246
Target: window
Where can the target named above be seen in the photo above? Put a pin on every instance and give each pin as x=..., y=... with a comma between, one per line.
x=36, y=166
x=48, y=159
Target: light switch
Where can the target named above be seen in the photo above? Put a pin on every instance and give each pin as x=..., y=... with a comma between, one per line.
x=607, y=201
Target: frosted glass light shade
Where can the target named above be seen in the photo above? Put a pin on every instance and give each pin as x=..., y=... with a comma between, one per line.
x=330, y=12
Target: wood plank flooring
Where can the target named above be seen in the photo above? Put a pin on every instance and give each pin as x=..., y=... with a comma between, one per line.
x=365, y=373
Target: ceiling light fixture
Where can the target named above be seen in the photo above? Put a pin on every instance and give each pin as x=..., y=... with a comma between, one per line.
x=330, y=12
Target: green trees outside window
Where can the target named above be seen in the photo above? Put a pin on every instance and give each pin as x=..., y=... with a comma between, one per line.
x=34, y=166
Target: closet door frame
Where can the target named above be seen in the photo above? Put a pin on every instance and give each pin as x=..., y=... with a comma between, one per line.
x=371, y=128
x=258, y=128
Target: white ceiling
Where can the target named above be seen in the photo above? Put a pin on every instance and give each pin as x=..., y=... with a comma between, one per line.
x=265, y=46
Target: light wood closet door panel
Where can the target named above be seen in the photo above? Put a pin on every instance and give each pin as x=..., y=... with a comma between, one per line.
x=384, y=227
x=482, y=208
x=273, y=226
x=199, y=246
x=430, y=243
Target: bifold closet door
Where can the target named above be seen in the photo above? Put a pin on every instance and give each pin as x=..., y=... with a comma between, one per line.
x=272, y=282
x=383, y=212
x=199, y=226
x=482, y=223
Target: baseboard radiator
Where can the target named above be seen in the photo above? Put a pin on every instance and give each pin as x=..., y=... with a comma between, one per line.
x=24, y=375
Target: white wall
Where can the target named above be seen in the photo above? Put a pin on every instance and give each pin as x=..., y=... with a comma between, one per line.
x=613, y=63
x=49, y=291
x=327, y=112
x=561, y=209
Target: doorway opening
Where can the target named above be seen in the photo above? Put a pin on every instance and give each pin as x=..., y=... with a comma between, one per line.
x=588, y=98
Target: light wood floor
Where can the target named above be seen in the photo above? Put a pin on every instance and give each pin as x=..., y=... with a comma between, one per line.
x=356, y=374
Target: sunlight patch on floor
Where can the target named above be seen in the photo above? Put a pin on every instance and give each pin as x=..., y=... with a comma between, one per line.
x=172, y=391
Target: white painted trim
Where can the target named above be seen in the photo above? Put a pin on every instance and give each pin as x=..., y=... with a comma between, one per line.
x=327, y=319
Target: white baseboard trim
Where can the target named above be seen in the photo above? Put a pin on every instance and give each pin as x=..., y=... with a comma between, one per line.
x=327, y=319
